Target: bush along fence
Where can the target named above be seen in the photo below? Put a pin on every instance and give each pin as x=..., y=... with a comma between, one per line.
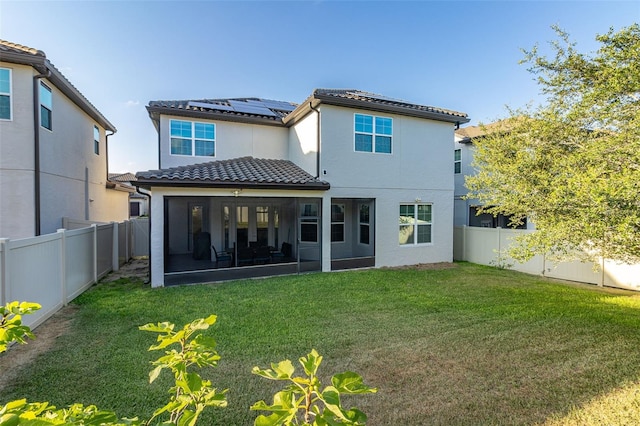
x=487, y=246
x=54, y=269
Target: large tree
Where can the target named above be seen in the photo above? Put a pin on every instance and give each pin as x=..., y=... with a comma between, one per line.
x=571, y=165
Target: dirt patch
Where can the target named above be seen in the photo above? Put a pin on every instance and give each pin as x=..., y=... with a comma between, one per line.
x=19, y=356
x=426, y=266
x=136, y=268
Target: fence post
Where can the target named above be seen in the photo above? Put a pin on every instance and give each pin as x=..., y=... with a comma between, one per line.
x=63, y=265
x=95, y=252
x=499, y=259
x=115, y=262
x=4, y=265
x=464, y=242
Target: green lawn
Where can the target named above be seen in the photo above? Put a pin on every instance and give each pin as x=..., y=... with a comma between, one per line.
x=464, y=345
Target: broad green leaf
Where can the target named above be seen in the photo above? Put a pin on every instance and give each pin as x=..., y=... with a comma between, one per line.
x=153, y=374
x=331, y=398
x=311, y=362
x=352, y=383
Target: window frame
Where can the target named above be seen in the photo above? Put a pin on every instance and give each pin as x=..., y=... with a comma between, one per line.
x=48, y=107
x=193, y=138
x=96, y=140
x=457, y=161
x=415, y=224
x=8, y=94
x=362, y=224
x=309, y=219
x=336, y=223
x=361, y=127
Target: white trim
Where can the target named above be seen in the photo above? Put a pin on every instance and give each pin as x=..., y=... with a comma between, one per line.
x=193, y=139
x=373, y=134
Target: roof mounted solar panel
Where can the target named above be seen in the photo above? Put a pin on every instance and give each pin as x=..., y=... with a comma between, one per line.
x=251, y=108
x=208, y=105
x=279, y=105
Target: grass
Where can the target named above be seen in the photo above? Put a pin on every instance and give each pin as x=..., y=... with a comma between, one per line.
x=466, y=345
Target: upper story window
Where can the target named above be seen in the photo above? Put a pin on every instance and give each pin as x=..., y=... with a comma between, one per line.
x=457, y=161
x=191, y=138
x=373, y=134
x=45, y=106
x=415, y=224
x=96, y=140
x=5, y=94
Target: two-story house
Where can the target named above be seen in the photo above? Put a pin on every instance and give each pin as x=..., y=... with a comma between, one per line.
x=53, y=149
x=466, y=209
x=345, y=179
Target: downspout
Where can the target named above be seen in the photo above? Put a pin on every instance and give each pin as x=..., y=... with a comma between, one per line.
x=36, y=145
x=318, y=141
x=106, y=148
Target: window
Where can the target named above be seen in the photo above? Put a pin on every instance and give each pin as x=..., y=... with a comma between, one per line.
x=363, y=220
x=195, y=139
x=337, y=223
x=309, y=223
x=373, y=134
x=45, y=106
x=457, y=162
x=96, y=140
x=5, y=94
x=415, y=224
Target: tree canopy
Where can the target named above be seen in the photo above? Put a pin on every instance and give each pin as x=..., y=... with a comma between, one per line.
x=571, y=165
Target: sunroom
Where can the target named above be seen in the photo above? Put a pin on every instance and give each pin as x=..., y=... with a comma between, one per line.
x=233, y=219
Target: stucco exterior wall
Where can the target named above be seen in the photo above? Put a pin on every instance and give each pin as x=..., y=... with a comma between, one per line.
x=71, y=174
x=233, y=140
x=17, y=213
x=415, y=171
x=461, y=206
x=303, y=143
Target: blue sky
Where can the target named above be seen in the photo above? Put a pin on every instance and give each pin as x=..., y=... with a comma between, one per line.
x=460, y=55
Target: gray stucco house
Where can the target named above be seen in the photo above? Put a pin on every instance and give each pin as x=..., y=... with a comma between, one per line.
x=53, y=149
x=344, y=179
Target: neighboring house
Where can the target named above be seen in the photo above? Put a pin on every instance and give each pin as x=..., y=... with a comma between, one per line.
x=345, y=179
x=53, y=149
x=138, y=203
x=466, y=210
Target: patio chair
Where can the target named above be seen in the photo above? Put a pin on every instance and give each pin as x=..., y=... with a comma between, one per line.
x=245, y=256
x=223, y=259
x=262, y=254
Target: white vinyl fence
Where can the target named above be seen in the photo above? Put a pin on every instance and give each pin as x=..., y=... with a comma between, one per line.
x=486, y=246
x=54, y=269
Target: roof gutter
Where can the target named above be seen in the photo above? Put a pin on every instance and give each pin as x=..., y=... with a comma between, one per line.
x=36, y=146
x=148, y=184
x=398, y=109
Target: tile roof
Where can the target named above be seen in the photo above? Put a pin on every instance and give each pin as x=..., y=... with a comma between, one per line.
x=122, y=177
x=283, y=113
x=234, y=108
x=19, y=54
x=471, y=132
x=7, y=46
x=381, y=101
x=246, y=172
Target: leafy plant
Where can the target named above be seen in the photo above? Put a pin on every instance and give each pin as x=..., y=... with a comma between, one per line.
x=191, y=394
x=11, y=328
x=303, y=403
